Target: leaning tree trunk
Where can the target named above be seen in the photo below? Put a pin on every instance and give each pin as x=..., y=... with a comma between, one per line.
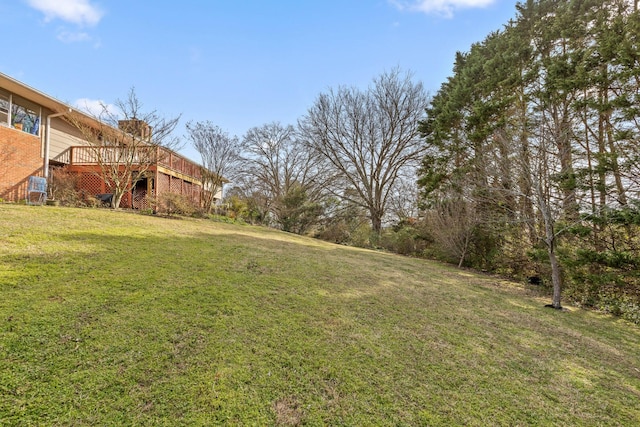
x=465, y=247
x=555, y=276
x=551, y=242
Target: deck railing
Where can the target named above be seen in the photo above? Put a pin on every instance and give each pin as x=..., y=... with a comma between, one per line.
x=158, y=156
x=178, y=163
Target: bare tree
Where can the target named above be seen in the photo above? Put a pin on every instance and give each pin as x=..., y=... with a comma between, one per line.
x=220, y=156
x=126, y=143
x=453, y=224
x=369, y=137
x=279, y=164
x=270, y=156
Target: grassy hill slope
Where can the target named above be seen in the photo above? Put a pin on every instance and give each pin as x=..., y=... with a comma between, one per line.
x=110, y=318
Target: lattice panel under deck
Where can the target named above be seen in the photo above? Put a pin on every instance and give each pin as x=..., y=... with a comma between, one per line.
x=162, y=183
x=126, y=200
x=91, y=184
x=176, y=185
x=140, y=200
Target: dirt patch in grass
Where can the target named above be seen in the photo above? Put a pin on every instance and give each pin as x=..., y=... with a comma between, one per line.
x=288, y=412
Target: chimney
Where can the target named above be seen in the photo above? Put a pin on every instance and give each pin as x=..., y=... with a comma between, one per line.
x=136, y=127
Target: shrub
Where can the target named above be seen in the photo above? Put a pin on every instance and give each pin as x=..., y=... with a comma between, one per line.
x=402, y=241
x=173, y=204
x=88, y=200
x=337, y=232
x=63, y=186
x=363, y=237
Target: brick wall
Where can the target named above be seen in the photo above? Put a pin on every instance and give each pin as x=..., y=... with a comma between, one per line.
x=20, y=157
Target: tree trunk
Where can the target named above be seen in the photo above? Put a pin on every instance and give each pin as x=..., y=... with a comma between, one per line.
x=207, y=200
x=463, y=255
x=526, y=190
x=116, y=199
x=376, y=222
x=551, y=242
x=555, y=275
x=590, y=170
x=609, y=130
x=602, y=152
x=563, y=143
x=615, y=167
x=524, y=181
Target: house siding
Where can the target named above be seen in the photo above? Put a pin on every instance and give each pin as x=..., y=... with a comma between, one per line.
x=63, y=136
x=20, y=157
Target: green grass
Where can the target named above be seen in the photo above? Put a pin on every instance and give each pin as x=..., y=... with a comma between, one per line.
x=111, y=318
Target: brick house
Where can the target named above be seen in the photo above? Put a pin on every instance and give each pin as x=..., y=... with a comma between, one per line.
x=35, y=138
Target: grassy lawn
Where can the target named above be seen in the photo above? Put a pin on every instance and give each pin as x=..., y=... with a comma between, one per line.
x=111, y=318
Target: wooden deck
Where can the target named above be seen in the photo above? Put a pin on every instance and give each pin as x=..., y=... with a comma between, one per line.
x=164, y=160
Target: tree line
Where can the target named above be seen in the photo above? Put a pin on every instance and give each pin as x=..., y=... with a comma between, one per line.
x=533, y=161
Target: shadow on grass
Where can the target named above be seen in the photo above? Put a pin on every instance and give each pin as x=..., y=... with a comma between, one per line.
x=94, y=264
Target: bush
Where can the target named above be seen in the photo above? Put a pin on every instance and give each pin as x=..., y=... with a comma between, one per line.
x=295, y=212
x=402, y=241
x=337, y=232
x=630, y=311
x=63, y=187
x=619, y=306
x=363, y=237
x=249, y=210
x=173, y=204
x=359, y=235
x=88, y=200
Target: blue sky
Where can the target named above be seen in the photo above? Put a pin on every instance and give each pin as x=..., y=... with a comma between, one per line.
x=237, y=63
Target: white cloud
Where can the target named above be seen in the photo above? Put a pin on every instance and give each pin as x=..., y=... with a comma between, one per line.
x=72, y=37
x=441, y=7
x=96, y=107
x=80, y=12
x=67, y=36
